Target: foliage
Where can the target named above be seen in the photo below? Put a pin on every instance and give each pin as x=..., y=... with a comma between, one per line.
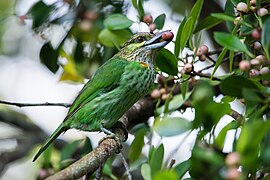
x=98, y=32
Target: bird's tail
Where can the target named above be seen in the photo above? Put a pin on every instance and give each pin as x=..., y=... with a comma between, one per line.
x=62, y=128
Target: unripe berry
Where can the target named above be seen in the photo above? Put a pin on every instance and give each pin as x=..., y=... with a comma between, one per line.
x=244, y=65
x=252, y=2
x=232, y=159
x=254, y=73
x=91, y=15
x=262, y=11
x=162, y=91
x=148, y=19
x=155, y=94
x=152, y=27
x=261, y=58
x=167, y=36
x=242, y=7
x=188, y=68
x=236, y=20
x=202, y=57
x=254, y=62
x=256, y=34
x=232, y=174
x=202, y=50
x=85, y=25
x=264, y=70
x=165, y=96
x=257, y=45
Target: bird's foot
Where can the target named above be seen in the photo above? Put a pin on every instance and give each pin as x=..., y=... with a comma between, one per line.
x=111, y=135
x=122, y=126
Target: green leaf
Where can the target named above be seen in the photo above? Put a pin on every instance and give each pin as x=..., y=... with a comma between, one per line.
x=195, y=12
x=40, y=13
x=146, y=172
x=156, y=160
x=233, y=85
x=219, y=60
x=182, y=168
x=49, y=57
x=167, y=174
x=231, y=42
x=219, y=141
x=186, y=32
x=117, y=22
x=178, y=37
x=207, y=23
x=249, y=142
x=176, y=102
x=69, y=149
x=184, y=85
x=140, y=8
x=167, y=62
x=137, y=145
x=266, y=35
x=172, y=126
x=160, y=20
x=134, y=3
x=114, y=38
x=225, y=17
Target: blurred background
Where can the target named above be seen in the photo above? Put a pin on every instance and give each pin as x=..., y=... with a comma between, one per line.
x=33, y=33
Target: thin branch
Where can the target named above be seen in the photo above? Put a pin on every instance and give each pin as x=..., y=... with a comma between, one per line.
x=126, y=166
x=205, y=75
x=66, y=105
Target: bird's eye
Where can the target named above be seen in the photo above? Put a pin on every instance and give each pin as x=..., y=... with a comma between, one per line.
x=140, y=39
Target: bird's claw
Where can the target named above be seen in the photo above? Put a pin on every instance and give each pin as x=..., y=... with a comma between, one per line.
x=118, y=141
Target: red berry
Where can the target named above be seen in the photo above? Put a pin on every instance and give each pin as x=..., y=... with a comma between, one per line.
x=202, y=57
x=257, y=45
x=256, y=34
x=188, y=68
x=152, y=27
x=244, y=65
x=167, y=36
x=148, y=19
x=232, y=159
x=265, y=70
x=155, y=94
x=254, y=72
x=262, y=11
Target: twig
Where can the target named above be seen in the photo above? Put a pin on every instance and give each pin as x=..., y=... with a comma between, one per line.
x=66, y=105
x=126, y=166
x=207, y=67
x=204, y=75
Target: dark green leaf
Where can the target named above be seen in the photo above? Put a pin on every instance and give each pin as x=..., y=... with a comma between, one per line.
x=266, y=35
x=69, y=149
x=186, y=32
x=160, y=20
x=134, y=3
x=137, y=145
x=114, y=38
x=167, y=62
x=40, y=13
x=140, y=8
x=231, y=42
x=178, y=37
x=156, y=160
x=184, y=85
x=207, y=23
x=233, y=85
x=182, y=168
x=172, y=126
x=226, y=17
x=49, y=57
x=117, y=22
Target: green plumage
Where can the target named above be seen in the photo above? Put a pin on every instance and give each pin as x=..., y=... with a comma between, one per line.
x=114, y=88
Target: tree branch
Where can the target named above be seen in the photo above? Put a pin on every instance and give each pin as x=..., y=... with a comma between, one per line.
x=66, y=105
x=90, y=162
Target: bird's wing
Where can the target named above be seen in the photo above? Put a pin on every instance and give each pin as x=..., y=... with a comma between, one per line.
x=106, y=77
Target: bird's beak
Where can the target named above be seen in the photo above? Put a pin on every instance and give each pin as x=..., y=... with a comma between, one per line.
x=157, y=41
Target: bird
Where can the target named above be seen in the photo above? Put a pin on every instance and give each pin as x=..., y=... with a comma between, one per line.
x=116, y=85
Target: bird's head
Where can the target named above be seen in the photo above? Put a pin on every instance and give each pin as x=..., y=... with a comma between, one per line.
x=143, y=46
